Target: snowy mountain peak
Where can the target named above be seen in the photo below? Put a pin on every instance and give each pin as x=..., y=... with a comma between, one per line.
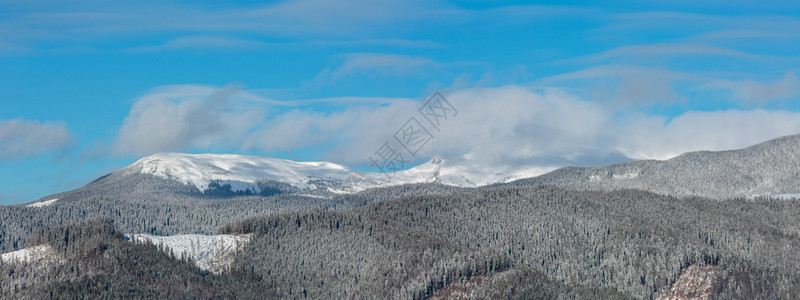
x=436, y=161
x=240, y=171
x=243, y=173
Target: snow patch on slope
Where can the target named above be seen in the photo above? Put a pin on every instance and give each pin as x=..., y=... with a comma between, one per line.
x=35, y=254
x=209, y=252
x=42, y=204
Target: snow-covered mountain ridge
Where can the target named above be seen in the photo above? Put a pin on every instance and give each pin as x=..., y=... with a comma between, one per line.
x=243, y=172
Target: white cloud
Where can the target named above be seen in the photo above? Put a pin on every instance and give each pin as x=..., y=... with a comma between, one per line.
x=377, y=64
x=221, y=42
x=187, y=117
x=181, y=118
x=80, y=23
x=6, y=47
x=651, y=137
x=656, y=21
x=339, y=17
x=382, y=42
x=21, y=138
x=169, y=26
x=512, y=125
x=515, y=126
x=755, y=92
x=669, y=50
x=506, y=126
x=626, y=85
x=203, y=42
x=741, y=34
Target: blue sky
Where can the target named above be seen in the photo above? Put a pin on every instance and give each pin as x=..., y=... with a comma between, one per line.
x=91, y=86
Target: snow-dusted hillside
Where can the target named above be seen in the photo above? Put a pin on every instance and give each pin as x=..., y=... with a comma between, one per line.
x=768, y=168
x=242, y=172
x=209, y=252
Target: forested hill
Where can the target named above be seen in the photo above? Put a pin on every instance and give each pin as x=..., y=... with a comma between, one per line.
x=508, y=242
x=155, y=206
x=768, y=168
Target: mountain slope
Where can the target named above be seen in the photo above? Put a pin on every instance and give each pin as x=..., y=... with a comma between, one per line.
x=506, y=242
x=769, y=168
